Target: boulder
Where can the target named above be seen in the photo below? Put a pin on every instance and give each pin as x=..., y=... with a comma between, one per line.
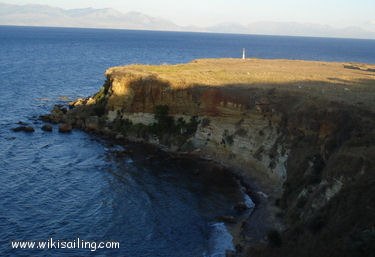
x=241, y=207
x=230, y=253
x=119, y=136
x=24, y=129
x=78, y=102
x=47, y=128
x=226, y=219
x=92, y=123
x=45, y=118
x=65, y=128
x=57, y=114
x=79, y=123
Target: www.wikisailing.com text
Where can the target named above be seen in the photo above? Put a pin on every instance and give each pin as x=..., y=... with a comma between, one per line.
x=60, y=244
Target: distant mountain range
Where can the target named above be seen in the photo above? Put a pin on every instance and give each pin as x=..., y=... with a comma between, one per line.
x=44, y=15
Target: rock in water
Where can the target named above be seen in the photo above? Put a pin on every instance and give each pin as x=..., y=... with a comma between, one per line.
x=92, y=123
x=241, y=207
x=226, y=219
x=65, y=128
x=47, y=128
x=24, y=129
x=230, y=254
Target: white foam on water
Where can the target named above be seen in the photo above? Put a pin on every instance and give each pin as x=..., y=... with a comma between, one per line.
x=248, y=201
x=129, y=161
x=220, y=241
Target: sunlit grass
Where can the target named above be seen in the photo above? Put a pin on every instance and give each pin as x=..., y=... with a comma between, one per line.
x=349, y=82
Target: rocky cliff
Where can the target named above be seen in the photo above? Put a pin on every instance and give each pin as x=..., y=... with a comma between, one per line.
x=303, y=130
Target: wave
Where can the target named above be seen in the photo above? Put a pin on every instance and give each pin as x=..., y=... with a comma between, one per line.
x=220, y=241
x=248, y=201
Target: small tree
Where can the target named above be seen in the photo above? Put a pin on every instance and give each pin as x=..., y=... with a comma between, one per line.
x=164, y=122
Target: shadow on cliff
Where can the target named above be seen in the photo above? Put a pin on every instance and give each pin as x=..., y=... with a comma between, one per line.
x=206, y=99
x=329, y=199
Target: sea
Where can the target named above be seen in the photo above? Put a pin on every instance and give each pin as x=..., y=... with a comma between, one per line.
x=70, y=187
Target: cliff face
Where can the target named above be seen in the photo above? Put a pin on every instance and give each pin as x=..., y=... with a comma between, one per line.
x=317, y=151
x=229, y=129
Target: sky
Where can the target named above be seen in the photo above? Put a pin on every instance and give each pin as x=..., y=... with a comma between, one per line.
x=337, y=13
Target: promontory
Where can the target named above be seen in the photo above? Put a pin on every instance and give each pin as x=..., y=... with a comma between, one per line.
x=302, y=130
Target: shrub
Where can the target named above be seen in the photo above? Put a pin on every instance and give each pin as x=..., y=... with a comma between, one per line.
x=205, y=122
x=227, y=138
x=99, y=109
x=100, y=96
x=161, y=112
x=122, y=125
x=164, y=122
x=192, y=126
x=241, y=132
x=143, y=131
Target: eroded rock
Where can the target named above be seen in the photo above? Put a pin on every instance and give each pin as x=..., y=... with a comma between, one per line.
x=47, y=128
x=27, y=129
x=226, y=219
x=241, y=207
x=65, y=128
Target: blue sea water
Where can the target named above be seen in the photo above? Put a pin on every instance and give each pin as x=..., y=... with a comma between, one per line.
x=69, y=186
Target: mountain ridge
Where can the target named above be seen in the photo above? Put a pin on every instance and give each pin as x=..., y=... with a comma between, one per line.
x=45, y=15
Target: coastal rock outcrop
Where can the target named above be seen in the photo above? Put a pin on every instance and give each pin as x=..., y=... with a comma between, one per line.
x=65, y=128
x=47, y=128
x=27, y=129
x=290, y=125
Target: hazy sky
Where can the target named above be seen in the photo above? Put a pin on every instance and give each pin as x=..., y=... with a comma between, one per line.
x=338, y=13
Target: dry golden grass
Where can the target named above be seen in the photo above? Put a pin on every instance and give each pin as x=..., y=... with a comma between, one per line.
x=349, y=82
x=215, y=72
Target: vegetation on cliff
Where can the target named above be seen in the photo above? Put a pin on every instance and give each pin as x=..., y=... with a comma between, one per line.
x=166, y=128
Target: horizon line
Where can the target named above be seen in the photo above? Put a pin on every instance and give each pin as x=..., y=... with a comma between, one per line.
x=186, y=31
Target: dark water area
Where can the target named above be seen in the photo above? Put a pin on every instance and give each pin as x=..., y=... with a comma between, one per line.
x=76, y=185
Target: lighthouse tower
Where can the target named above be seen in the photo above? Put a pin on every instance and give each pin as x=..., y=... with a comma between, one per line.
x=243, y=53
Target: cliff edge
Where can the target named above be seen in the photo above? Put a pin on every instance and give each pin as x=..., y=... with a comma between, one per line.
x=303, y=130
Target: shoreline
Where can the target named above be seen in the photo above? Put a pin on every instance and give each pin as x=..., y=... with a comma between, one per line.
x=261, y=218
